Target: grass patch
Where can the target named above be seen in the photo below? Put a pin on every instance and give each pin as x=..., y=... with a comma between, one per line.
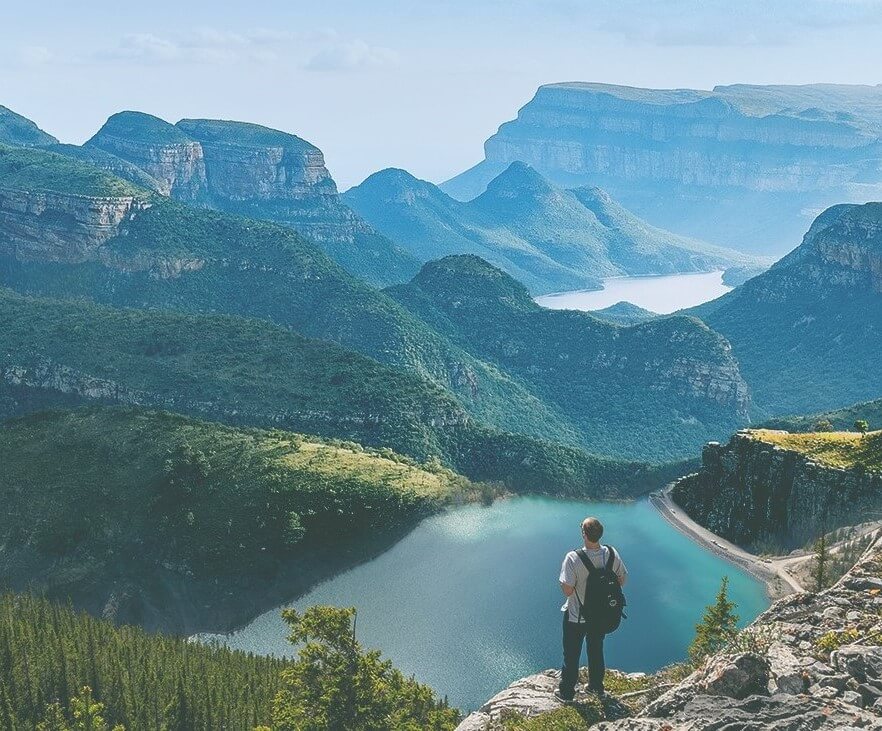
x=836, y=449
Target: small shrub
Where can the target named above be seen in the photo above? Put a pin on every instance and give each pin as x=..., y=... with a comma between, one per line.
x=836, y=639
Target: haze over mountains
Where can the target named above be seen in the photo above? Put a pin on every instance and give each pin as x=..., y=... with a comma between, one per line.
x=742, y=166
x=549, y=238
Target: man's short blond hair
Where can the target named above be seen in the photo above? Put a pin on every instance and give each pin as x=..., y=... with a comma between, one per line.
x=592, y=529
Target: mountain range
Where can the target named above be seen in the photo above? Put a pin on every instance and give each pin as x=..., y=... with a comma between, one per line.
x=68, y=229
x=546, y=237
x=742, y=166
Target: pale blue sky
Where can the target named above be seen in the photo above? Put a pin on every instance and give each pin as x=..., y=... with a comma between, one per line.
x=418, y=85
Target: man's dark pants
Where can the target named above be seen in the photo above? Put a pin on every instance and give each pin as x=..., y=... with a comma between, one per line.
x=573, y=635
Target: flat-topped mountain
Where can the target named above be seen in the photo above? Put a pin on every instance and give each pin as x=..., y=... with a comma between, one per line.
x=254, y=171
x=807, y=331
x=21, y=131
x=738, y=166
x=549, y=238
x=616, y=384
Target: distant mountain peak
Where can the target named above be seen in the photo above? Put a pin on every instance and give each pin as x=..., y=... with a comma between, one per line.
x=395, y=185
x=20, y=131
x=519, y=180
x=140, y=127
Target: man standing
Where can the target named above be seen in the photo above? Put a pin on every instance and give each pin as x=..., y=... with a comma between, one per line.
x=574, y=579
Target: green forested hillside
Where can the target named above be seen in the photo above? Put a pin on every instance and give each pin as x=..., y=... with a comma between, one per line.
x=195, y=260
x=548, y=238
x=171, y=256
x=39, y=170
x=808, y=331
x=253, y=373
x=63, y=671
x=128, y=511
x=652, y=390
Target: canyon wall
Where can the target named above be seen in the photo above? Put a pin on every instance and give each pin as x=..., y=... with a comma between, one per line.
x=720, y=165
x=750, y=490
x=59, y=227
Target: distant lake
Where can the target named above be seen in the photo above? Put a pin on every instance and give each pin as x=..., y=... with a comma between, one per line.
x=469, y=601
x=664, y=294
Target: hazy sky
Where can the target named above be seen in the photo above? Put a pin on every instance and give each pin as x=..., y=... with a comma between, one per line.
x=418, y=85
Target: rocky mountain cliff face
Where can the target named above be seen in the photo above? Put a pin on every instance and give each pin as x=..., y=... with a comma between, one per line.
x=56, y=227
x=814, y=662
x=549, y=238
x=751, y=490
x=721, y=165
x=159, y=149
x=257, y=172
x=805, y=331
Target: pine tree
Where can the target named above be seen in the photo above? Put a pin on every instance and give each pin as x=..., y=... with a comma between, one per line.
x=53, y=719
x=822, y=558
x=717, y=628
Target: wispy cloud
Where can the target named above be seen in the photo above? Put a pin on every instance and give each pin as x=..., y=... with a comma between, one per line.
x=722, y=22
x=321, y=50
x=351, y=56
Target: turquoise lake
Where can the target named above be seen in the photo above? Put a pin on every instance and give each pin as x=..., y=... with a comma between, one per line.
x=469, y=600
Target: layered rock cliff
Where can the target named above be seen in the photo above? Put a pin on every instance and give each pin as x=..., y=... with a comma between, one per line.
x=692, y=160
x=753, y=489
x=159, y=149
x=59, y=227
x=811, y=661
x=257, y=172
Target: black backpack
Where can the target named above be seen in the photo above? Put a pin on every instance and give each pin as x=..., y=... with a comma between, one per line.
x=604, y=605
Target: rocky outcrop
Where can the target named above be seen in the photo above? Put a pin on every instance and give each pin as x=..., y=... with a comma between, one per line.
x=750, y=490
x=731, y=150
x=253, y=171
x=59, y=227
x=159, y=149
x=811, y=661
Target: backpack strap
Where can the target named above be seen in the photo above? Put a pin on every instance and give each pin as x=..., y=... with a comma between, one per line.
x=582, y=554
x=611, y=560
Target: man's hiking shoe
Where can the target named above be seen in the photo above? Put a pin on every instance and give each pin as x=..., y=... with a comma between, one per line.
x=561, y=697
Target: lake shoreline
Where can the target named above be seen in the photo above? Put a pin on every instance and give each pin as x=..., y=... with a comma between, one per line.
x=661, y=294
x=777, y=581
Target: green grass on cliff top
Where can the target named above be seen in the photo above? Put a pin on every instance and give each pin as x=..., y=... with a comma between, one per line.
x=837, y=449
x=37, y=170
